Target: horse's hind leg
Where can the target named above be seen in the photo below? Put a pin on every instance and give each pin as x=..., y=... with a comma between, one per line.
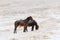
x=15, y=28
x=32, y=28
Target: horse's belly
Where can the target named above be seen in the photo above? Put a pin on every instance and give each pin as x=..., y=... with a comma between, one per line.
x=21, y=24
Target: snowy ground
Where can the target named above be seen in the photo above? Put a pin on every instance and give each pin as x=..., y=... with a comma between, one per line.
x=45, y=12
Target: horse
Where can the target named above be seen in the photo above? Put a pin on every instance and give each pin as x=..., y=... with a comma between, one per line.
x=32, y=23
x=22, y=23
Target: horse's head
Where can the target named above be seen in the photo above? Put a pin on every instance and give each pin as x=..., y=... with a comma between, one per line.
x=29, y=18
x=37, y=27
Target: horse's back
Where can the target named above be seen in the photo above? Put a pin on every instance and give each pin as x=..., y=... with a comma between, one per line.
x=19, y=21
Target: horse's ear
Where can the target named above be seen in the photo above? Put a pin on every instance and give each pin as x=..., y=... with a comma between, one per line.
x=30, y=16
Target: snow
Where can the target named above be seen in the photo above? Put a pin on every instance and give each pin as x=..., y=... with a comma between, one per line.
x=45, y=12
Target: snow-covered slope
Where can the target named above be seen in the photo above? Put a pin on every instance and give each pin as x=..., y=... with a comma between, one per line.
x=45, y=12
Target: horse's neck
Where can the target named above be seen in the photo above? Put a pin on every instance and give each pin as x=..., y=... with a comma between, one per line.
x=26, y=20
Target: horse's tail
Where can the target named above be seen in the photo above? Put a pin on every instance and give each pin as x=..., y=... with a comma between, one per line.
x=37, y=27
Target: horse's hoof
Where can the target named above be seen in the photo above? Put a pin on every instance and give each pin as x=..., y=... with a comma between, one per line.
x=15, y=32
x=31, y=30
x=24, y=31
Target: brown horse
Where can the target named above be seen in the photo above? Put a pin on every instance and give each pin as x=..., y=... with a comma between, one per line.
x=23, y=23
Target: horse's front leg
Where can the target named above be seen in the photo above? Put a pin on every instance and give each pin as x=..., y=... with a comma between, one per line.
x=32, y=28
x=25, y=28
